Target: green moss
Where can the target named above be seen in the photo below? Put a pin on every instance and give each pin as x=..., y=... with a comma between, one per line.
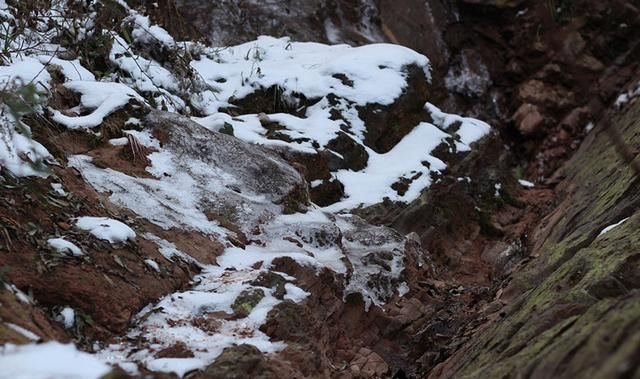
x=246, y=301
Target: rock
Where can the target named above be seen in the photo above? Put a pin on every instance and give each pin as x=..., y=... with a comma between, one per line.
x=242, y=361
x=272, y=280
x=368, y=364
x=500, y=4
x=354, y=156
x=539, y=93
x=289, y=322
x=590, y=63
x=528, y=119
x=246, y=301
x=579, y=298
x=386, y=125
x=576, y=119
x=256, y=169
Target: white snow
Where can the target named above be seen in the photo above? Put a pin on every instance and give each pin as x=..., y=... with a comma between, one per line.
x=106, y=228
x=144, y=32
x=295, y=293
x=100, y=97
x=27, y=70
x=58, y=189
x=71, y=69
x=63, y=246
x=308, y=68
x=16, y=146
x=372, y=184
x=24, y=332
x=627, y=96
x=611, y=227
x=153, y=264
x=21, y=296
x=68, y=317
x=49, y=360
x=526, y=183
x=368, y=258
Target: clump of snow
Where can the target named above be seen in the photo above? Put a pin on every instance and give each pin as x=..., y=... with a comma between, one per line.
x=100, y=97
x=49, y=360
x=372, y=184
x=153, y=264
x=469, y=131
x=68, y=317
x=144, y=32
x=526, y=183
x=295, y=293
x=145, y=75
x=168, y=249
x=106, y=228
x=309, y=68
x=24, y=332
x=626, y=96
x=25, y=71
x=71, y=69
x=611, y=227
x=63, y=246
x=58, y=189
x=15, y=147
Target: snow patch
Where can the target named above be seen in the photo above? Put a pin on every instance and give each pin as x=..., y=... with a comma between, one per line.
x=49, y=360
x=611, y=227
x=63, y=246
x=106, y=228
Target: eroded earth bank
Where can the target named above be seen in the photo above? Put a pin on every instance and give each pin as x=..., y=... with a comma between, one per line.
x=183, y=196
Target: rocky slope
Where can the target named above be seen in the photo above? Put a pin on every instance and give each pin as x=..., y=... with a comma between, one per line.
x=274, y=208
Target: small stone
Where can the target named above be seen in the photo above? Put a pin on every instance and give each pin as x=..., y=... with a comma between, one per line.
x=528, y=119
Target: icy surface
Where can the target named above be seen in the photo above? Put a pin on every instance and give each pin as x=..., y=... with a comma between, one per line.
x=105, y=228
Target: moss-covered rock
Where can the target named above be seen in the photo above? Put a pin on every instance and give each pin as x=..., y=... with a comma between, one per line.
x=578, y=311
